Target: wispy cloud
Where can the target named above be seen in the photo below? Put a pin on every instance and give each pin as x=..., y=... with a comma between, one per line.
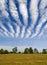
x=33, y=12
x=16, y=16
x=23, y=11
x=41, y=22
x=14, y=13
x=23, y=32
x=17, y=30
x=42, y=7
x=3, y=8
x=2, y=3
x=28, y=33
x=4, y=30
x=11, y=28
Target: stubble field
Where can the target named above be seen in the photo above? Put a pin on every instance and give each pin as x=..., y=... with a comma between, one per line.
x=23, y=59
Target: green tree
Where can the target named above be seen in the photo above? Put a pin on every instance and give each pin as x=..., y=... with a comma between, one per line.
x=14, y=50
x=26, y=50
x=35, y=50
x=1, y=51
x=30, y=50
x=44, y=51
x=6, y=52
x=19, y=52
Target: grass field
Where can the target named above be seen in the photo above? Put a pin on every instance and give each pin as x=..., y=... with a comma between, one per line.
x=23, y=59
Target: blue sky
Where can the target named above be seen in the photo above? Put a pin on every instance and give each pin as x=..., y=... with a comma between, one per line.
x=23, y=23
x=9, y=43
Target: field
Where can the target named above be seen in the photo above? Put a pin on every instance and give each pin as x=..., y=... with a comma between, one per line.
x=23, y=59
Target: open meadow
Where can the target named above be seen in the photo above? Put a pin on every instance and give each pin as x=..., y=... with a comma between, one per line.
x=23, y=59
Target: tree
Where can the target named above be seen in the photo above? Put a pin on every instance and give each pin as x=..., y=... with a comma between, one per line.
x=35, y=50
x=19, y=52
x=1, y=51
x=26, y=50
x=30, y=50
x=6, y=52
x=44, y=51
x=14, y=50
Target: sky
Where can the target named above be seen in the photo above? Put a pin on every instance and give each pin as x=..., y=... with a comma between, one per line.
x=23, y=23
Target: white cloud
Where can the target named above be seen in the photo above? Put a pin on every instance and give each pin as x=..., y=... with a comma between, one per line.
x=33, y=12
x=41, y=22
x=17, y=30
x=23, y=31
x=42, y=6
x=41, y=34
x=12, y=31
x=3, y=8
x=11, y=34
x=5, y=32
x=3, y=27
x=11, y=28
x=34, y=16
x=14, y=13
x=43, y=18
x=2, y=3
x=23, y=11
x=28, y=33
x=22, y=1
x=5, y=13
x=46, y=27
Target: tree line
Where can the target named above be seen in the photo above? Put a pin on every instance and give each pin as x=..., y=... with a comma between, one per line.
x=29, y=50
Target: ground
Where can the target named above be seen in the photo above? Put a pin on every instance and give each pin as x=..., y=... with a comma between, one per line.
x=23, y=59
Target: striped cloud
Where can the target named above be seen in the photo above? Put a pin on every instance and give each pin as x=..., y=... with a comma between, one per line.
x=23, y=18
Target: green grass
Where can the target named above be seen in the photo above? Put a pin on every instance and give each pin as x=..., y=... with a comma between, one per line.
x=23, y=59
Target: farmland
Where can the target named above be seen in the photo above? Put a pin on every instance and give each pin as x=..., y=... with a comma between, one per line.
x=23, y=59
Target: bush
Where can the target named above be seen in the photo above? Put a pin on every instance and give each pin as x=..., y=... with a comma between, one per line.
x=26, y=50
x=44, y=51
x=30, y=50
x=14, y=50
x=6, y=52
x=35, y=50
